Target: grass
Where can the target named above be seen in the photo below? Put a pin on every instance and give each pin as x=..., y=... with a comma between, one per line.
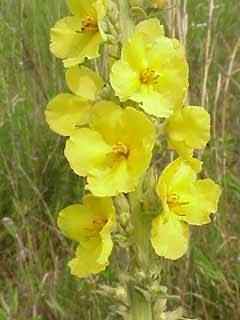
x=35, y=179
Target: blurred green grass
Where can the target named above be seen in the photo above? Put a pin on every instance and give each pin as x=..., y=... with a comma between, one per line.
x=36, y=181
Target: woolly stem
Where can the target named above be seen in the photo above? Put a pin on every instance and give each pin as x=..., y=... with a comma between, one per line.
x=139, y=297
x=126, y=23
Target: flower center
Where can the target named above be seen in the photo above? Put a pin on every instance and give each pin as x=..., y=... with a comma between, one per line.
x=89, y=24
x=96, y=226
x=98, y=223
x=120, y=150
x=175, y=204
x=148, y=76
x=173, y=201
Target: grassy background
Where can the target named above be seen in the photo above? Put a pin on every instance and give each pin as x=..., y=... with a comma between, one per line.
x=35, y=179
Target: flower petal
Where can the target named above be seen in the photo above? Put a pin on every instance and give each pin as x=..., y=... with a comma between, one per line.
x=68, y=43
x=74, y=221
x=169, y=236
x=78, y=222
x=107, y=246
x=167, y=57
x=82, y=8
x=113, y=181
x=151, y=70
x=177, y=178
x=150, y=29
x=128, y=126
x=136, y=132
x=137, y=129
x=86, y=261
x=186, y=153
x=201, y=203
x=90, y=224
x=109, y=127
x=124, y=80
x=167, y=53
x=103, y=207
x=134, y=52
x=88, y=47
x=84, y=82
x=64, y=38
x=153, y=102
x=86, y=152
x=210, y=193
x=191, y=125
x=66, y=112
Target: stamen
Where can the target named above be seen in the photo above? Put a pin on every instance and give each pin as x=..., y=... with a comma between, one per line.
x=99, y=223
x=120, y=150
x=149, y=76
x=96, y=226
x=89, y=24
x=174, y=203
x=172, y=200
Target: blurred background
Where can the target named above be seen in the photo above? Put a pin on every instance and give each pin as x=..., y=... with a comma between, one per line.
x=36, y=181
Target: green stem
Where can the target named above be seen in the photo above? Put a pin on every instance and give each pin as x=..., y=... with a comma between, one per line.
x=126, y=22
x=141, y=232
x=139, y=298
x=140, y=308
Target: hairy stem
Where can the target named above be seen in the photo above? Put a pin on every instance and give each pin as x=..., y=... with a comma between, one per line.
x=126, y=23
x=139, y=297
x=140, y=308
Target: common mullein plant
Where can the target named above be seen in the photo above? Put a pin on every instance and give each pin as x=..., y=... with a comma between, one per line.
x=128, y=86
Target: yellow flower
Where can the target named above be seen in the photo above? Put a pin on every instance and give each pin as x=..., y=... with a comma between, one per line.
x=79, y=36
x=84, y=82
x=188, y=129
x=150, y=29
x=90, y=224
x=152, y=71
x=185, y=200
x=67, y=112
x=114, y=152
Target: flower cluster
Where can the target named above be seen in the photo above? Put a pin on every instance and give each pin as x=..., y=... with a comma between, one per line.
x=111, y=140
